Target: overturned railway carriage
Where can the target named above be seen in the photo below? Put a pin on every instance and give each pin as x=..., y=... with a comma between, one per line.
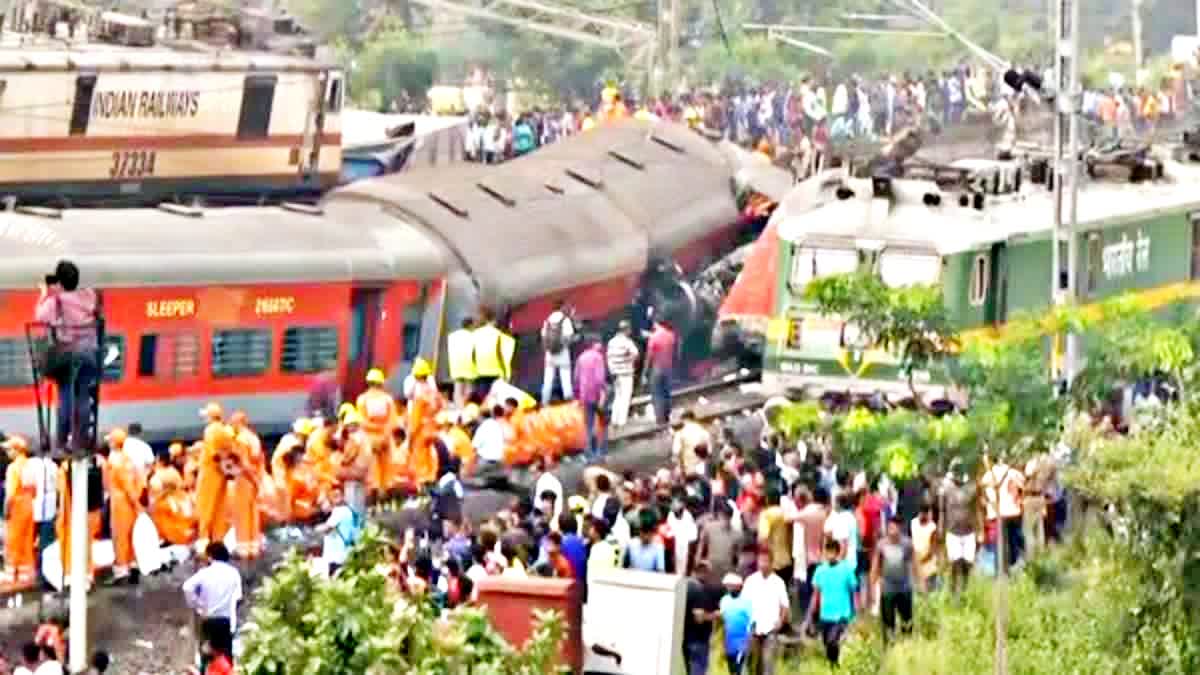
x=108, y=124
x=989, y=248
x=583, y=221
x=248, y=304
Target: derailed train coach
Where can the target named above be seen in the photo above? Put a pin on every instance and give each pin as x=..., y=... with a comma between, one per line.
x=247, y=305
x=610, y=222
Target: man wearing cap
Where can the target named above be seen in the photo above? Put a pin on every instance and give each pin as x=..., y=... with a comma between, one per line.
x=19, y=531
x=424, y=402
x=735, y=612
x=357, y=462
x=622, y=355
x=248, y=523
x=212, y=485
x=379, y=417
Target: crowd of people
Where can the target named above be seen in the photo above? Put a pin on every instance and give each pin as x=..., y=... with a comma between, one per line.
x=801, y=119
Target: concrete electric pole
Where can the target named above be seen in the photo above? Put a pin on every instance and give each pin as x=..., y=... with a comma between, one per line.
x=1066, y=170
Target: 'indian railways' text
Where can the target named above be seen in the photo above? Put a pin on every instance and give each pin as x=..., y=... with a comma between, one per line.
x=145, y=104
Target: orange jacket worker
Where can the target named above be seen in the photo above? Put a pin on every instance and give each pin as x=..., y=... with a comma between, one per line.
x=18, y=509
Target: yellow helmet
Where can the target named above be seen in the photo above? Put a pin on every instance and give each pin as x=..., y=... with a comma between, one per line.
x=421, y=368
x=302, y=426
x=351, y=417
x=345, y=409
x=375, y=376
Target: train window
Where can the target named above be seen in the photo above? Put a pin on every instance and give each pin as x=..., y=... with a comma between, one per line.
x=258, y=97
x=309, y=349
x=814, y=263
x=907, y=269
x=81, y=109
x=16, y=370
x=171, y=356
x=112, y=357
x=241, y=352
x=979, y=280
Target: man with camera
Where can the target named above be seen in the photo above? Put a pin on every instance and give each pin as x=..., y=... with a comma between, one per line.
x=69, y=315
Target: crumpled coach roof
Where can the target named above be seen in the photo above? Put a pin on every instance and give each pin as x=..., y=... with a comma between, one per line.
x=585, y=209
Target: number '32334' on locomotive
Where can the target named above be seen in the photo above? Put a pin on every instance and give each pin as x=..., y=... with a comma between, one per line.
x=987, y=243
x=104, y=123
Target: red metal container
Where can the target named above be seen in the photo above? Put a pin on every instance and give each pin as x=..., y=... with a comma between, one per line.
x=511, y=601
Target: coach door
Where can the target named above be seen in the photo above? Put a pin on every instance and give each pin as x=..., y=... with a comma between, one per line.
x=366, y=311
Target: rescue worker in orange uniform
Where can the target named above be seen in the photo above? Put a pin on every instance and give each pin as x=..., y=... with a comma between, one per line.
x=612, y=108
x=212, y=482
x=356, y=462
x=126, y=483
x=62, y=526
x=296, y=483
x=164, y=471
x=19, y=534
x=247, y=519
x=172, y=508
x=423, y=406
x=188, y=463
x=318, y=455
x=380, y=417
x=457, y=441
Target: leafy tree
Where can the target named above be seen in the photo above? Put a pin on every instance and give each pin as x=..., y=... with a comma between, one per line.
x=392, y=62
x=357, y=623
x=910, y=322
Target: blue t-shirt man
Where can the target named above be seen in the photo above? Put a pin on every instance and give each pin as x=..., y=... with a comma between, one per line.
x=735, y=616
x=836, y=581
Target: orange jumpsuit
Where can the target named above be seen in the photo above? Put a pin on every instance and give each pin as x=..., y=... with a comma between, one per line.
x=248, y=521
x=63, y=524
x=212, y=485
x=172, y=510
x=297, y=483
x=458, y=442
x=20, y=535
x=125, y=486
x=319, y=456
x=422, y=431
x=380, y=418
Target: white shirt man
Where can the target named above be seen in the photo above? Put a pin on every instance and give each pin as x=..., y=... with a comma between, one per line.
x=489, y=441
x=769, y=602
x=41, y=474
x=49, y=667
x=215, y=591
x=334, y=546
x=622, y=355
x=139, y=452
x=1010, y=482
x=558, y=362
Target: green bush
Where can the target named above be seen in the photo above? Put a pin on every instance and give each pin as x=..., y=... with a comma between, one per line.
x=357, y=623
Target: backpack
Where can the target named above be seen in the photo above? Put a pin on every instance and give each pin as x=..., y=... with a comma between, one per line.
x=552, y=334
x=351, y=530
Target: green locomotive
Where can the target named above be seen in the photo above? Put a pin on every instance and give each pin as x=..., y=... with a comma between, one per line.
x=983, y=229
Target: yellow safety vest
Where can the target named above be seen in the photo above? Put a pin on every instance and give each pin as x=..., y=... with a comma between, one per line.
x=486, y=341
x=508, y=347
x=461, y=347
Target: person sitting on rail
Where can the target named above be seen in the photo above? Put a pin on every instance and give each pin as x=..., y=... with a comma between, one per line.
x=172, y=508
x=70, y=314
